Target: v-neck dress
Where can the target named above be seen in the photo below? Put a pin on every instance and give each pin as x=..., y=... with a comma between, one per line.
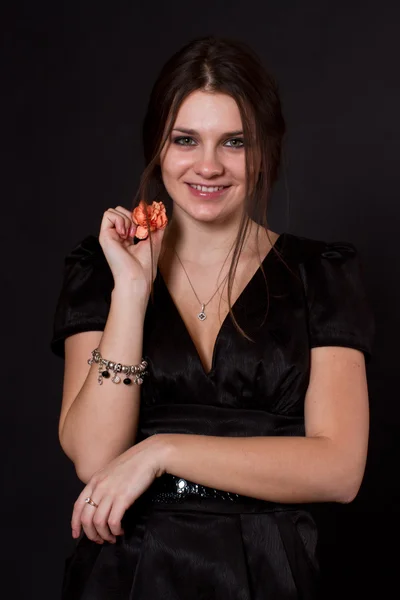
x=210, y=548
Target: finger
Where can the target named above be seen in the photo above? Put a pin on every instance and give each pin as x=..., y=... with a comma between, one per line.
x=79, y=506
x=161, y=230
x=76, y=517
x=115, y=517
x=127, y=215
x=113, y=219
x=100, y=519
x=158, y=235
x=125, y=211
x=132, y=229
x=87, y=523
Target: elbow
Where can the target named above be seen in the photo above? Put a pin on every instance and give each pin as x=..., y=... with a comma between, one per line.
x=82, y=472
x=65, y=447
x=83, y=475
x=349, y=492
x=349, y=486
x=347, y=496
x=66, y=442
x=345, y=474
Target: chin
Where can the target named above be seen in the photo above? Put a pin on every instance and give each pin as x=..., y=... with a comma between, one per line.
x=206, y=210
x=204, y=213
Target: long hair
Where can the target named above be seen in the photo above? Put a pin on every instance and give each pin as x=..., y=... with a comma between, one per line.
x=231, y=67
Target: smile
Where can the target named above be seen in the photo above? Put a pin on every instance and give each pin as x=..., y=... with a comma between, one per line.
x=205, y=191
x=203, y=188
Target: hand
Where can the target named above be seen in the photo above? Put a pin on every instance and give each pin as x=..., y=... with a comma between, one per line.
x=116, y=487
x=128, y=261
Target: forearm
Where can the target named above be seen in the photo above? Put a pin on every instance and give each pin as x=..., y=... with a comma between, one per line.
x=102, y=421
x=277, y=469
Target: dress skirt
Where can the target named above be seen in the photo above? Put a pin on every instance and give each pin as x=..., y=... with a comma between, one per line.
x=200, y=549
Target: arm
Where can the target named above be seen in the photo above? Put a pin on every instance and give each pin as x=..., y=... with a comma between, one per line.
x=326, y=465
x=98, y=423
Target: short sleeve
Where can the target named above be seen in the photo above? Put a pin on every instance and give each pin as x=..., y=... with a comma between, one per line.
x=339, y=312
x=85, y=296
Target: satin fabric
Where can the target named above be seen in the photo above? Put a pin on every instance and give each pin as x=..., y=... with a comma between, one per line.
x=204, y=548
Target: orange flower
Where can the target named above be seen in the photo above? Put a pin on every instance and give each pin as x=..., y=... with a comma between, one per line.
x=157, y=217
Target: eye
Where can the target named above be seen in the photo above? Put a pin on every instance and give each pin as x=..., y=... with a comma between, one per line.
x=239, y=142
x=181, y=141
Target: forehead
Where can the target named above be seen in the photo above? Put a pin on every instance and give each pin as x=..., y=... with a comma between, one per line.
x=209, y=111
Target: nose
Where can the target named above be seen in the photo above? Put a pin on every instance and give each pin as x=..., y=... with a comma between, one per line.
x=208, y=164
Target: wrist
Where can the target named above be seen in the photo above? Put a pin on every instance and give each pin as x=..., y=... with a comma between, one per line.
x=135, y=292
x=162, y=448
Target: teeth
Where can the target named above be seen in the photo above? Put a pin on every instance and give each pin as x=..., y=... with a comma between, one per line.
x=203, y=188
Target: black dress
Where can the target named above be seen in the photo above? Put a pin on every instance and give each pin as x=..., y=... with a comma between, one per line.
x=203, y=548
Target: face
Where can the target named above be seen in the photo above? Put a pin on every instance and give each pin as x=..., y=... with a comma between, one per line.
x=206, y=149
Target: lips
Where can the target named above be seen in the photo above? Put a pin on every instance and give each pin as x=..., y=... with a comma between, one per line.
x=207, y=184
x=213, y=193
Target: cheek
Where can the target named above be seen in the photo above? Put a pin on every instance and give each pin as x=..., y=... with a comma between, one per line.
x=237, y=166
x=175, y=164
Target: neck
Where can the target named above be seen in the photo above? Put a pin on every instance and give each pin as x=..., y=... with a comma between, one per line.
x=206, y=244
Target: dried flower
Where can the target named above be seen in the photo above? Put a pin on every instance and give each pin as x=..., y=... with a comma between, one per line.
x=157, y=217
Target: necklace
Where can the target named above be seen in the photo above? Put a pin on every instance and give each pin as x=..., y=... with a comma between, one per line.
x=202, y=315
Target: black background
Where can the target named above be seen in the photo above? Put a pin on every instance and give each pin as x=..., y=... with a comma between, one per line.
x=75, y=79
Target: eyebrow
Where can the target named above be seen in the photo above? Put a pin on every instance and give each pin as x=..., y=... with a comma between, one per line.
x=194, y=132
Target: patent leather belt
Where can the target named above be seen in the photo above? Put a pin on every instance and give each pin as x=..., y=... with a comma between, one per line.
x=169, y=488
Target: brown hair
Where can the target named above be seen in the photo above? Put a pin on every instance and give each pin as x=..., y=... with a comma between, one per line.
x=231, y=67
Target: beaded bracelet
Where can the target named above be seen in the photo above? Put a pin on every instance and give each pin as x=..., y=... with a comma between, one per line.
x=105, y=365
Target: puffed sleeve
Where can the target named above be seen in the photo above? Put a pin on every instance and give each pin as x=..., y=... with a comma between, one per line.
x=85, y=296
x=339, y=312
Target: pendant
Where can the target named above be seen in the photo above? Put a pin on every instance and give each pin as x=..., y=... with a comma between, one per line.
x=202, y=315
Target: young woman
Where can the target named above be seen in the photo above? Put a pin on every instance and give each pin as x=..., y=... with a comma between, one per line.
x=252, y=403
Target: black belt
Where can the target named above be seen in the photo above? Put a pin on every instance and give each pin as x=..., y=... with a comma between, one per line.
x=169, y=488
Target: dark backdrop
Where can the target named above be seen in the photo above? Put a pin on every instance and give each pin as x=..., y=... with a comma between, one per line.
x=76, y=80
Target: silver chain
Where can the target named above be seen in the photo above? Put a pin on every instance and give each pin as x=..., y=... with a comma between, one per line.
x=202, y=315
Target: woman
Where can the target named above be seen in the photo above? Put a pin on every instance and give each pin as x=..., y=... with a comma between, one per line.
x=253, y=403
